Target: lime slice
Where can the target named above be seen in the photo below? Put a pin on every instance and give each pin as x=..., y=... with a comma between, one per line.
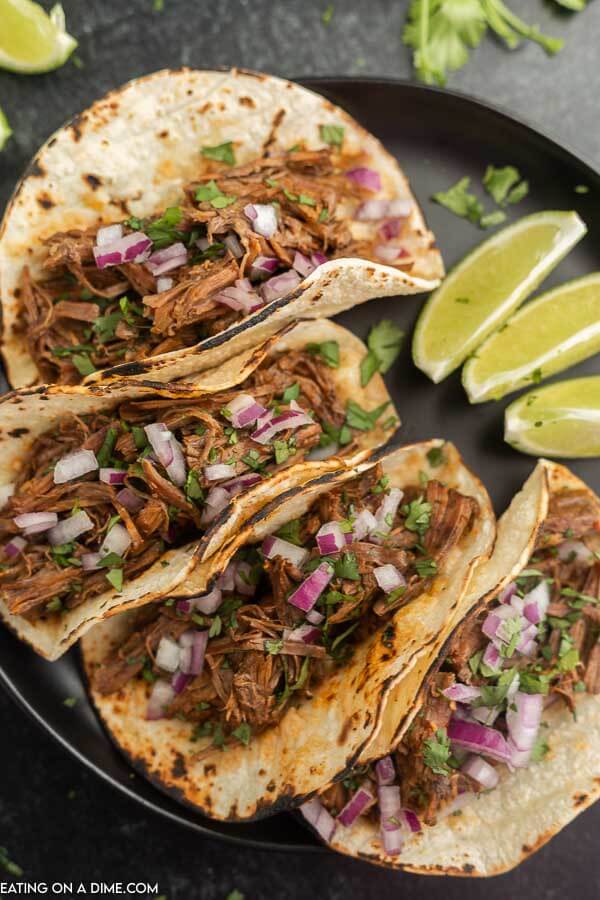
x=561, y=419
x=551, y=333
x=30, y=39
x=5, y=129
x=482, y=291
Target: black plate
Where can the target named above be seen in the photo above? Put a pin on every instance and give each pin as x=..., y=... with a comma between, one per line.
x=438, y=137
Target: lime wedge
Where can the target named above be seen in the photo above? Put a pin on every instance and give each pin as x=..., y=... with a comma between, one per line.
x=30, y=39
x=482, y=291
x=551, y=333
x=561, y=419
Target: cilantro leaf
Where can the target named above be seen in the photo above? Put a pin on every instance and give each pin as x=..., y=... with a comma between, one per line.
x=436, y=457
x=329, y=351
x=243, y=733
x=426, y=567
x=290, y=532
x=115, y=577
x=211, y=193
x=459, y=201
x=221, y=153
x=332, y=134
x=436, y=752
x=489, y=220
x=441, y=33
x=418, y=514
x=83, y=363
x=498, y=182
x=362, y=419
x=347, y=567
x=163, y=231
x=384, y=343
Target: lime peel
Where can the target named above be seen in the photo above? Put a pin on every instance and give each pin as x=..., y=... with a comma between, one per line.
x=31, y=40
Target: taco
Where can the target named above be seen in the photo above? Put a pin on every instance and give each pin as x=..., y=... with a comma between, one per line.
x=328, y=598
x=109, y=491
x=502, y=747
x=195, y=212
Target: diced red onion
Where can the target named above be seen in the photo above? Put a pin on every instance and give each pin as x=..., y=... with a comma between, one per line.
x=318, y=259
x=165, y=260
x=536, y=603
x=273, y=546
x=217, y=472
x=208, y=603
x=305, y=596
x=263, y=218
x=306, y=633
x=508, y=593
x=164, y=283
x=319, y=453
x=167, y=654
x=390, y=811
x=90, y=561
x=393, y=841
x=360, y=801
x=385, y=771
x=15, y=546
x=74, y=465
x=242, y=579
x=400, y=206
x=302, y=264
x=180, y=681
x=372, y=210
x=479, y=739
x=70, y=528
x=34, y=523
x=389, y=578
x=226, y=580
x=216, y=500
x=232, y=243
x=130, y=500
x=290, y=419
x=241, y=483
x=134, y=247
x=461, y=693
x=314, y=617
x=279, y=285
x=527, y=644
x=575, y=549
x=108, y=235
x=485, y=774
x=244, y=411
x=491, y=657
x=320, y=818
x=412, y=820
x=487, y=715
x=112, y=476
x=161, y=696
x=366, y=178
x=493, y=622
x=168, y=451
x=387, y=510
x=198, y=649
x=524, y=722
x=330, y=538
x=264, y=267
x=240, y=296
x=116, y=541
x=364, y=523
x=389, y=253
x=519, y=759
x=390, y=229
x=183, y=606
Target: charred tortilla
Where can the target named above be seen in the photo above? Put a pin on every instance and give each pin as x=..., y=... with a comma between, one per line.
x=323, y=695
x=112, y=495
x=196, y=212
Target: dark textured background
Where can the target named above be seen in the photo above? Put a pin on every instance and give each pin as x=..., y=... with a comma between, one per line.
x=57, y=820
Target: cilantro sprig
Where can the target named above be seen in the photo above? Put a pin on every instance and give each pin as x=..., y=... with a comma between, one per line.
x=384, y=343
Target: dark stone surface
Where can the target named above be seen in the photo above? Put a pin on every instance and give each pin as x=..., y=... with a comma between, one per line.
x=60, y=822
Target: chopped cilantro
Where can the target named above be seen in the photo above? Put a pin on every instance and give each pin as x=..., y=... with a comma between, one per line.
x=362, y=419
x=253, y=460
x=384, y=343
x=382, y=485
x=106, y=450
x=518, y=192
x=163, y=231
x=70, y=702
x=215, y=627
x=221, y=153
x=436, y=457
x=499, y=181
x=211, y=193
x=329, y=351
x=426, y=567
x=243, y=733
x=305, y=200
x=274, y=647
x=8, y=865
x=581, y=189
x=326, y=17
x=540, y=749
x=536, y=376
x=54, y=605
x=418, y=514
x=489, y=220
x=347, y=567
x=193, y=490
x=115, y=577
x=291, y=532
x=436, y=752
x=105, y=326
x=83, y=364
x=139, y=437
x=459, y=201
x=291, y=393
x=282, y=451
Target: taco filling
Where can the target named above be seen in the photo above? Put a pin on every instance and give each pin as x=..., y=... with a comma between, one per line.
x=535, y=645
x=242, y=237
x=283, y=616
x=101, y=497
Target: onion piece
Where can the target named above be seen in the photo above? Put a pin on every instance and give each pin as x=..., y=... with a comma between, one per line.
x=264, y=267
x=165, y=260
x=74, y=465
x=167, y=654
x=108, y=234
x=358, y=803
x=217, y=472
x=130, y=500
x=412, y=820
x=390, y=229
x=372, y=210
x=164, y=283
x=364, y=523
x=314, y=617
x=216, y=500
x=491, y=657
x=305, y=596
x=366, y=178
x=386, y=513
x=117, y=541
x=400, y=206
x=168, y=451
x=162, y=695
x=112, y=476
x=34, y=523
x=232, y=243
x=320, y=818
x=243, y=410
x=241, y=483
x=306, y=633
x=180, y=680
x=263, y=218
x=461, y=693
x=273, y=546
x=290, y=419
x=226, y=580
x=240, y=296
x=134, y=247
x=385, y=771
x=330, y=538
x=15, y=546
x=524, y=722
x=195, y=663
x=208, y=603
x=389, y=578
x=508, y=593
x=479, y=739
x=90, y=562
x=536, y=603
x=70, y=528
x=389, y=253
x=576, y=550
x=487, y=715
x=318, y=259
x=280, y=285
x=242, y=576
x=302, y=264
